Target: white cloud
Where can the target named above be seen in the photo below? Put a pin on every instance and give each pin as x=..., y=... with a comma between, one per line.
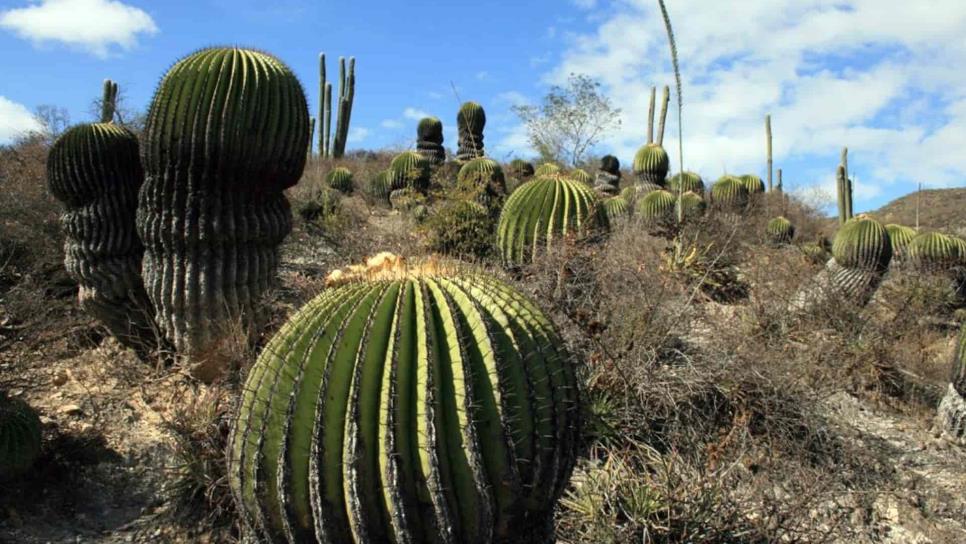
x=482, y=75
x=91, y=25
x=415, y=114
x=357, y=135
x=881, y=76
x=15, y=120
x=391, y=124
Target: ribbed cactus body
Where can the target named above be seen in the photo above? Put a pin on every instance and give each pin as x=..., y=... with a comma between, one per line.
x=753, y=183
x=409, y=170
x=780, y=231
x=429, y=140
x=378, y=186
x=952, y=410
x=470, y=122
x=226, y=134
x=95, y=170
x=899, y=237
x=688, y=181
x=690, y=206
x=20, y=437
x=543, y=210
x=656, y=209
x=630, y=194
x=582, y=176
x=862, y=243
x=651, y=164
x=547, y=169
x=411, y=403
x=611, y=165
x=616, y=208
x=340, y=179
x=729, y=194
x=935, y=252
x=482, y=180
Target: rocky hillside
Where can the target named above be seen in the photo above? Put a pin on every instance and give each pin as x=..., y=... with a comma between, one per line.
x=940, y=209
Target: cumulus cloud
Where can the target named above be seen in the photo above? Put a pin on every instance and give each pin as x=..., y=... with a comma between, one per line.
x=391, y=124
x=881, y=76
x=91, y=25
x=357, y=135
x=415, y=114
x=15, y=120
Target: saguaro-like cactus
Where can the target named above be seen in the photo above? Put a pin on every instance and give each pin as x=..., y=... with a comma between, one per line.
x=542, y=210
x=340, y=179
x=470, y=122
x=951, y=418
x=347, y=90
x=730, y=194
x=780, y=230
x=95, y=170
x=20, y=437
x=429, y=140
x=220, y=147
x=109, y=101
x=651, y=164
x=844, y=185
x=407, y=403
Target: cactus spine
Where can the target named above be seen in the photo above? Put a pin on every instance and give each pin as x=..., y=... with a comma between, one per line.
x=470, y=122
x=407, y=403
x=20, y=437
x=212, y=211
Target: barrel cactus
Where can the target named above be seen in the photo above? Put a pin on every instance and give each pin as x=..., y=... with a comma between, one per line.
x=409, y=402
x=630, y=193
x=95, y=171
x=429, y=140
x=378, y=187
x=20, y=437
x=688, y=181
x=780, y=230
x=220, y=147
x=582, y=176
x=340, y=179
x=651, y=164
x=410, y=170
x=656, y=210
x=899, y=237
x=482, y=180
x=521, y=169
x=729, y=194
x=542, y=210
x=951, y=418
x=470, y=121
x=690, y=206
x=935, y=252
x=616, y=208
x=547, y=169
x=753, y=183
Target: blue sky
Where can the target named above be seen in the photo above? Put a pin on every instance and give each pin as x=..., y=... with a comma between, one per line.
x=883, y=77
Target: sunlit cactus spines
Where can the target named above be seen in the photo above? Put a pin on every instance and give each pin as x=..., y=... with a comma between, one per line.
x=378, y=187
x=688, y=181
x=20, y=437
x=340, y=179
x=212, y=212
x=482, y=180
x=651, y=164
x=543, y=210
x=409, y=402
x=547, y=169
x=429, y=140
x=470, y=122
x=862, y=243
x=582, y=176
x=729, y=194
x=753, y=183
x=95, y=170
x=616, y=208
x=935, y=252
x=780, y=230
x=656, y=209
x=409, y=169
x=899, y=237
x=690, y=206
x=951, y=417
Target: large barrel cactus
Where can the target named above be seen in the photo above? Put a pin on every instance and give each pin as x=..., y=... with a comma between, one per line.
x=226, y=134
x=690, y=206
x=340, y=179
x=547, y=169
x=730, y=194
x=899, y=237
x=651, y=164
x=656, y=208
x=780, y=230
x=542, y=210
x=521, y=169
x=407, y=403
x=429, y=140
x=935, y=252
x=482, y=180
x=470, y=122
x=378, y=187
x=688, y=181
x=20, y=437
x=753, y=183
x=409, y=170
x=615, y=208
x=581, y=175
x=952, y=409
x=95, y=170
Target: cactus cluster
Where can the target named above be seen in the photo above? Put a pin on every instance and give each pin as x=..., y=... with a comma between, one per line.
x=409, y=402
x=730, y=194
x=470, y=122
x=220, y=147
x=936, y=252
x=951, y=416
x=542, y=210
x=340, y=179
x=347, y=90
x=20, y=437
x=429, y=140
x=95, y=171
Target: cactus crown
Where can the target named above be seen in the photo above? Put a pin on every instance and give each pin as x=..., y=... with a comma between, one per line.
x=430, y=129
x=610, y=164
x=729, y=193
x=581, y=176
x=753, y=183
x=656, y=206
x=438, y=403
x=521, y=168
x=862, y=243
x=543, y=209
x=684, y=182
x=653, y=160
x=780, y=230
x=340, y=178
x=899, y=237
x=90, y=160
x=20, y=437
x=615, y=208
x=409, y=169
x=935, y=251
x=691, y=205
x=547, y=169
x=234, y=117
x=471, y=117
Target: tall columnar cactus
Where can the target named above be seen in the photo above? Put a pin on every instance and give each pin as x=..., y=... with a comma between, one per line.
x=780, y=231
x=470, y=122
x=615, y=208
x=844, y=185
x=688, y=181
x=543, y=210
x=95, y=170
x=414, y=403
x=20, y=437
x=340, y=179
x=429, y=140
x=753, y=183
x=935, y=252
x=482, y=180
x=951, y=418
x=329, y=147
x=109, y=101
x=220, y=147
x=409, y=170
x=730, y=194
x=547, y=169
x=690, y=206
x=656, y=209
x=651, y=164
x=899, y=237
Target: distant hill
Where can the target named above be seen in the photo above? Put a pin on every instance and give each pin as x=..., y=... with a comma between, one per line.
x=940, y=209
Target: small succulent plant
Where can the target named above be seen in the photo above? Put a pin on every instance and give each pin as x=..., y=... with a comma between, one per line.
x=20, y=437
x=340, y=179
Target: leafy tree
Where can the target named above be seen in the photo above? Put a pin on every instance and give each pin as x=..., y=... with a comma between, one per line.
x=570, y=120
